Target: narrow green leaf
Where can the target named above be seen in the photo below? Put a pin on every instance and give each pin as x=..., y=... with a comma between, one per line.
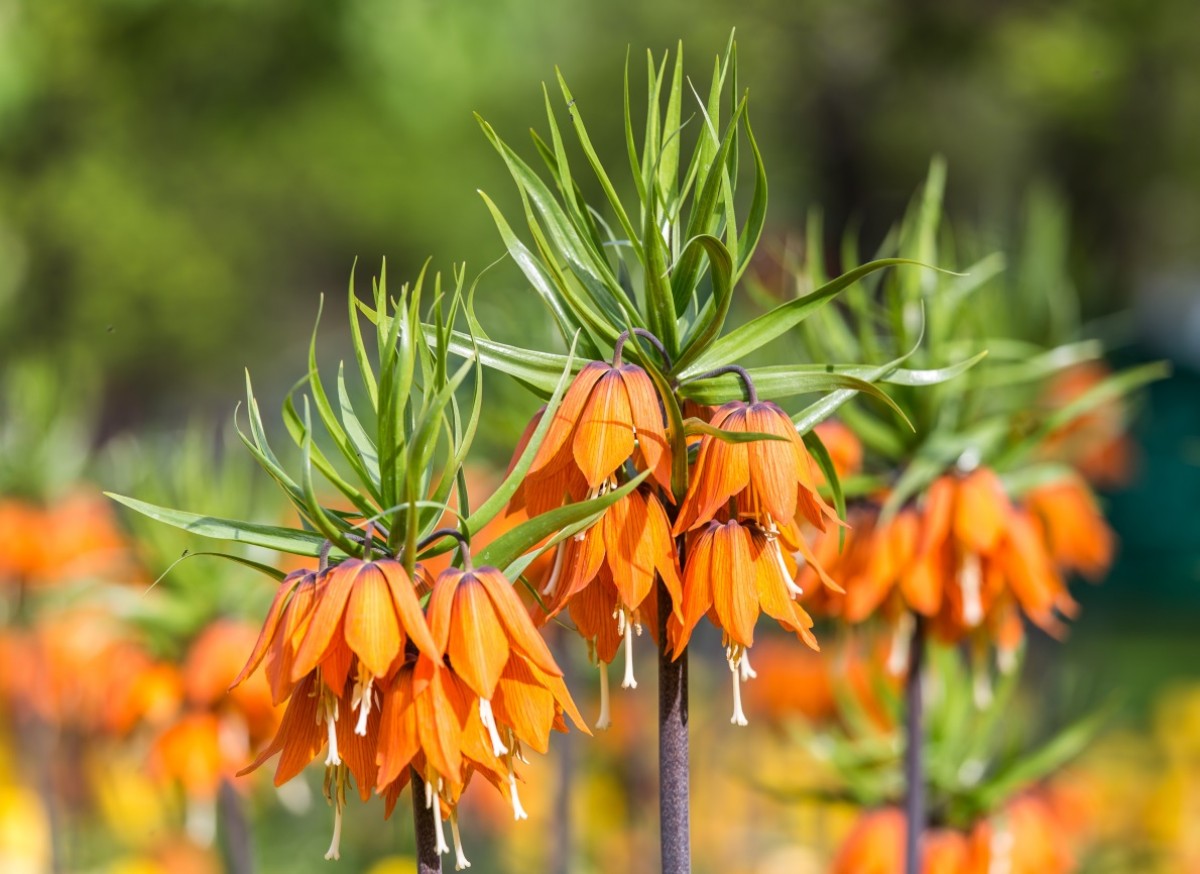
x=711, y=318
x=506, y=548
x=496, y=502
x=728, y=387
x=597, y=167
x=762, y=330
x=816, y=448
x=265, y=569
x=267, y=536
x=693, y=427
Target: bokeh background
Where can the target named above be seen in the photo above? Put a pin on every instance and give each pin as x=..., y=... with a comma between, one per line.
x=180, y=181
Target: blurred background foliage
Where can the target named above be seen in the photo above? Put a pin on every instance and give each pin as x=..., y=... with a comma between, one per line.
x=180, y=180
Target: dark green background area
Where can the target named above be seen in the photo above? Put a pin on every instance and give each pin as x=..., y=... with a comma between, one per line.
x=180, y=180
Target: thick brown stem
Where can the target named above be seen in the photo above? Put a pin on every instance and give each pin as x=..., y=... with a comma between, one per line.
x=236, y=845
x=914, y=758
x=673, y=776
x=429, y=861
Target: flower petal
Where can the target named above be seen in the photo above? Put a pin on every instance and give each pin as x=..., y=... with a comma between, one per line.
x=478, y=645
x=629, y=551
x=735, y=593
x=604, y=439
x=333, y=591
x=981, y=511
x=371, y=627
x=521, y=634
x=646, y=407
x=398, y=738
x=408, y=608
x=722, y=470
x=271, y=624
x=566, y=417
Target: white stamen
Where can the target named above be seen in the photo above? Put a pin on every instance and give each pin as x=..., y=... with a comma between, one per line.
x=555, y=571
x=592, y=493
x=1001, y=851
x=794, y=590
x=333, y=758
x=442, y=846
x=982, y=687
x=629, y=682
x=518, y=810
x=605, y=720
x=489, y=722
x=1006, y=660
x=460, y=858
x=970, y=579
x=428, y=794
x=363, y=694
x=897, y=661
x=969, y=460
x=739, y=717
x=619, y=615
x=748, y=673
x=335, y=846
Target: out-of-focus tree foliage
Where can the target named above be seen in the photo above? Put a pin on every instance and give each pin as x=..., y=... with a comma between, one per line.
x=180, y=178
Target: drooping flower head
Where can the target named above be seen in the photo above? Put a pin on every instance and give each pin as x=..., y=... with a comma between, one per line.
x=365, y=612
x=610, y=414
x=769, y=482
x=742, y=516
x=733, y=573
x=970, y=560
x=1075, y=531
x=498, y=690
x=606, y=576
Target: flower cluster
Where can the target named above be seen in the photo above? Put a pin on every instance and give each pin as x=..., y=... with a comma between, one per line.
x=970, y=559
x=741, y=525
x=388, y=689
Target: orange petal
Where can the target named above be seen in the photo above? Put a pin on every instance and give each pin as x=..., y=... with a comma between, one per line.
x=925, y=582
x=408, y=608
x=326, y=616
x=335, y=666
x=630, y=552
x=697, y=585
x=604, y=439
x=581, y=562
x=1029, y=572
x=270, y=624
x=438, y=723
x=735, y=592
x=722, y=470
x=774, y=473
x=293, y=626
x=645, y=405
x=566, y=417
x=981, y=511
x=524, y=704
x=300, y=736
x=478, y=645
x=441, y=607
x=371, y=628
x=937, y=514
x=522, y=636
x=666, y=556
x=592, y=612
x=359, y=751
x=398, y=738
